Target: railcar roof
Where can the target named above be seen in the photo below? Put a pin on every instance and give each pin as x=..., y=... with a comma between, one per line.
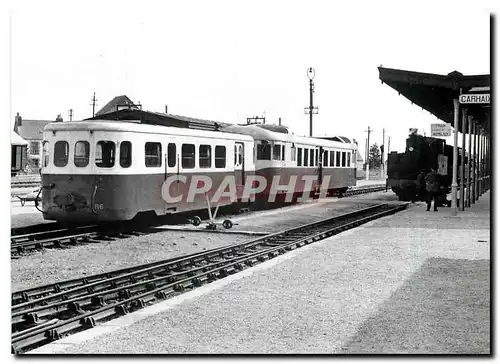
x=136, y=127
x=257, y=132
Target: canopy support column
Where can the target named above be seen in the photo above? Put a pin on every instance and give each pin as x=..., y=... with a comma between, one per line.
x=488, y=161
x=469, y=160
x=474, y=163
x=456, y=107
x=480, y=167
x=483, y=174
x=462, y=162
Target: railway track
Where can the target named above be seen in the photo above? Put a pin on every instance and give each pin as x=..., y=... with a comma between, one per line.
x=360, y=191
x=44, y=314
x=60, y=238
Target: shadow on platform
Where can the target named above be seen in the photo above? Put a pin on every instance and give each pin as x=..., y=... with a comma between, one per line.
x=444, y=308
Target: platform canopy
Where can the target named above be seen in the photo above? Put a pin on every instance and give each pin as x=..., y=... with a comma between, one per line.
x=435, y=93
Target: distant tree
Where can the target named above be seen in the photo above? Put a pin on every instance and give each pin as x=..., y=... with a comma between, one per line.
x=374, y=156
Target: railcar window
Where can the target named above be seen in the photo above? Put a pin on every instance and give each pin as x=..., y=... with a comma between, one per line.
x=188, y=156
x=205, y=156
x=293, y=154
x=125, y=154
x=344, y=159
x=299, y=157
x=325, y=158
x=82, y=152
x=337, y=159
x=105, y=154
x=45, y=154
x=277, y=152
x=172, y=154
x=152, y=154
x=316, y=156
x=61, y=152
x=264, y=152
x=311, y=157
x=332, y=158
x=220, y=156
x=306, y=156
x=348, y=159
x=240, y=154
x=282, y=152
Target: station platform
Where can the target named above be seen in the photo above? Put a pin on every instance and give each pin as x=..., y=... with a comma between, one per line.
x=415, y=282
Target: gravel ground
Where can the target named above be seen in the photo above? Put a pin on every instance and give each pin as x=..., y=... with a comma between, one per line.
x=27, y=219
x=317, y=299
x=288, y=217
x=52, y=265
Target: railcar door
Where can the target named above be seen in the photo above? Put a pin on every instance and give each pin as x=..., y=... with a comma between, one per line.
x=239, y=166
x=171, y=170
x=320, y=166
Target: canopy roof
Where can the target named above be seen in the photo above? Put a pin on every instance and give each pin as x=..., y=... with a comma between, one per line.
x=15, y=139
x=435, y=93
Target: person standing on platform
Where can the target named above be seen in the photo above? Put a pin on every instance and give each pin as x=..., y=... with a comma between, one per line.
x=432, y=188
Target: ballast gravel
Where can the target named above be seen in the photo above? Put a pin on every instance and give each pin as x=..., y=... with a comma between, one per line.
x=27, y=219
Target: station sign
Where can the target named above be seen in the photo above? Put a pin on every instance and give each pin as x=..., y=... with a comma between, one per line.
x=440, y=130
x=475, y=99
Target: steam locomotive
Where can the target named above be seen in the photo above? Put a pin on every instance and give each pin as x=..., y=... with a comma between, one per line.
x=421, y=153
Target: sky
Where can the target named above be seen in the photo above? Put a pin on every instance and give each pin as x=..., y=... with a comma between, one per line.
x=226, y=62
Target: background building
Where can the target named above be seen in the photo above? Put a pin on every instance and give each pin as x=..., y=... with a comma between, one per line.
x=32, y=132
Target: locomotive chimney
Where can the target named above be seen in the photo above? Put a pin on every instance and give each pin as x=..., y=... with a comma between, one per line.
x=166, y=109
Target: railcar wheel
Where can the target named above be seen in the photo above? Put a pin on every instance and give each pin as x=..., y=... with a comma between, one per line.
x=227, y=224
x=196, y=221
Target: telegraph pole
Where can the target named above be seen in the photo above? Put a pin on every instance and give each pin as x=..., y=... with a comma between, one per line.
x=93, y=105
x=311, y=90
x=311, y=109
x=368, y=153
